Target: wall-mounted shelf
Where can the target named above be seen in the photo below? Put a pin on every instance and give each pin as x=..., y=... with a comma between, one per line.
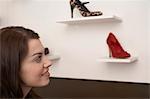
x=116, y=60
x=54, y=57
x=92, y=19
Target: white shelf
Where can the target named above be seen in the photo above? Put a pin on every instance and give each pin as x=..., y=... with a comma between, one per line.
x=116, y=60
x=54, y=57
x=92, y=19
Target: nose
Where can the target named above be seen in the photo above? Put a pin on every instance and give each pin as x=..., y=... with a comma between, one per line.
x=47, y=62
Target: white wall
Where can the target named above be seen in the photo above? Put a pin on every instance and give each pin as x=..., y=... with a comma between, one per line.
x=149, y=41
x=3, y=12
x=81, y=45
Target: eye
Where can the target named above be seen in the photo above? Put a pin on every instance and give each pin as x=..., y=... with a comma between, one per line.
x=38, y=59
x=46, y=51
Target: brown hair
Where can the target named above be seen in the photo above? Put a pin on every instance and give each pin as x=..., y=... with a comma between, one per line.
x=13, y=49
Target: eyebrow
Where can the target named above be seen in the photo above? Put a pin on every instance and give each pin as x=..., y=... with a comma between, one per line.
x=37, y=53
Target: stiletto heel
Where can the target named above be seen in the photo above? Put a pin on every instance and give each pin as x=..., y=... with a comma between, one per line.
x=72, y=8
x=115, y=49
x=109, y=52
x=82, y=8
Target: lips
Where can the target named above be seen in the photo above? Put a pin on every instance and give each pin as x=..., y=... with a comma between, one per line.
x=45, y=73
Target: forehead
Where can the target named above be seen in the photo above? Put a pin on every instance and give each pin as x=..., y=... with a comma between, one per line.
x=34, y=45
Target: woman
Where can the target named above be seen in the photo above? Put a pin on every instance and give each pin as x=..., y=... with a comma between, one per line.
x=23, y=62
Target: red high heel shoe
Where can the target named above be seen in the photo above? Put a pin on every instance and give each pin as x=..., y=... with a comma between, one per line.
x=115, y=49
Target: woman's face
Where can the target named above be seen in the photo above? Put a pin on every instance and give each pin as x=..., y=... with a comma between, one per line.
x=35, y=66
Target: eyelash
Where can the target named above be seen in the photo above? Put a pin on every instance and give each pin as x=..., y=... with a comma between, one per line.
x=39, y=58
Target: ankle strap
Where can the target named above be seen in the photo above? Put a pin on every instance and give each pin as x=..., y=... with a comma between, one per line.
x=85, y=2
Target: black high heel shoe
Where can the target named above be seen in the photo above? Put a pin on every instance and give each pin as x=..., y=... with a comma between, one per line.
x=82, y=8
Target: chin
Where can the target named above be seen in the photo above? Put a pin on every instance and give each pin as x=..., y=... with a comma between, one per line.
x=42, y=83
x=46, y=82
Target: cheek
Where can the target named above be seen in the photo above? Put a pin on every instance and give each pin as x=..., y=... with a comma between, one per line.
x=31, y=74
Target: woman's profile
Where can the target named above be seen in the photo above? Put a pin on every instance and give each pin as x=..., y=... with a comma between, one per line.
x=23, y=62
